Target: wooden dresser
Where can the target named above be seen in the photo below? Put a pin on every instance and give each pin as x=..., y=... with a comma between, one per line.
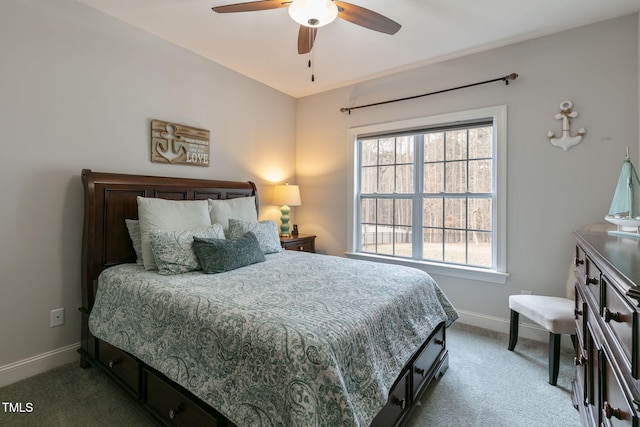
x=606, y=390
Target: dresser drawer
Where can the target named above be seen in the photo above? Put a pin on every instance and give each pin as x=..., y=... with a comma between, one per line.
x=580, y=312
x=173, y=407
x=301, y=246
x=425, y=361
x=122, y=365
x=592, y=281
x=580, y=263
x=621, y=319
x=398, y=402
x=616, y=409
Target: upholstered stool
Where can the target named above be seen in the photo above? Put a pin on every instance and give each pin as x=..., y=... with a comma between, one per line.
x=555, y=314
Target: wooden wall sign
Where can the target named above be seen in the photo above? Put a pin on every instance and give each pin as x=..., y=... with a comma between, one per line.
x=179, y=144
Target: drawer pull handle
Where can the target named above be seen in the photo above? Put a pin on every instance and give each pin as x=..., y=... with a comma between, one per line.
x=420, y=371
x=439, y=342
x=173, y=412
x=577, y=312
x=609, y=316
x=590, y=281
x=580, y=360
x=610, y=411
x=114, y=362
x=402, y=403
x=301, y=248
x=579, y=261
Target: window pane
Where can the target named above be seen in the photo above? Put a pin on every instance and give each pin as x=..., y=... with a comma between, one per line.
x=369, y=152
x=456, y=144
x=455, y=247
x=456, y=177
x=369, y=179
x=403, y=245
x=403, y=212
x=479, y=247
x=386, y=179
x=432, y=213
x=404, y=179
x=385, y=240
x=387, y=151
x=404, y=149
x=385, y=211
x=433, y=178
x=368, y=238
x=434, y=146
x=455, y=213
x=480, y=215
x=432, y=244
x=481, y=143
x=368, y=211
x=480, y=176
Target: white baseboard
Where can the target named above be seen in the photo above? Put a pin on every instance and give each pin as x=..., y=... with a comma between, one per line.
x=26, y=368
x=498, y=324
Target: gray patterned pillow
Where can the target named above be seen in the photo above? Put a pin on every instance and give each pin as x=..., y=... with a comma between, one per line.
x=266, y=232
x=220, y=255
x=173, y=250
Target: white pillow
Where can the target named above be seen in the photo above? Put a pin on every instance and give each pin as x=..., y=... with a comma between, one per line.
x=242, y=208
x=169, y=215
x=266, y=232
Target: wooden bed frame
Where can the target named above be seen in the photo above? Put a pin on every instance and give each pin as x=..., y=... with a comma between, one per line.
x=109, y=200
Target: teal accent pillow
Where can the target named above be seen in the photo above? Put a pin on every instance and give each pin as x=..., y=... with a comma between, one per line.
x=220, y=255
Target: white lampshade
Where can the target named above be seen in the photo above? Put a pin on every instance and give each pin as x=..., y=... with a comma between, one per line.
x=313, y=13
x=288, y=195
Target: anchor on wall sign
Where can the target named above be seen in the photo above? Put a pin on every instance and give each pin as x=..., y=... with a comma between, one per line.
x=566, y=141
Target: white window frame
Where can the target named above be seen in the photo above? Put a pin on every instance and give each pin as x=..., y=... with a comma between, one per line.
x=498, y=114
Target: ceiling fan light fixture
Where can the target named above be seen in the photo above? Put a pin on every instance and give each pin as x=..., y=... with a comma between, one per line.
x=313, y=13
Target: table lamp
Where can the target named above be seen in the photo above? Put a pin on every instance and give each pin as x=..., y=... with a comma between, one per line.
x=286, y=195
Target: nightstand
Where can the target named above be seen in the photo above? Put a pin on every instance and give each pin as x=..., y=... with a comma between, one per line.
x=301, y=242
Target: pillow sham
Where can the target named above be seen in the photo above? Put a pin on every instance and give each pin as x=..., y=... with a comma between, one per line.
x=133, y=226
x=266, y=232
x=170, y=215
x=220, y=255
x=173, y=250
x=243, y=208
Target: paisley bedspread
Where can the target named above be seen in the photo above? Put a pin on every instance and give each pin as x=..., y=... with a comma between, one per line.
x=298, y=340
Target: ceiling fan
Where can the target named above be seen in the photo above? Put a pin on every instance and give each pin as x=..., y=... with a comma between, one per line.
x=311, y=14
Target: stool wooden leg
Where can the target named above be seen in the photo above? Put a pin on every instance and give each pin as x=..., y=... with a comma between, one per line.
x=513, y=329
x=554, y=357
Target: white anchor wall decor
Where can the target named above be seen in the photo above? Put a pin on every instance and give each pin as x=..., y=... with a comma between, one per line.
x=566, y=141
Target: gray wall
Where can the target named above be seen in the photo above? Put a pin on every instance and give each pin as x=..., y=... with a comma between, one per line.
x=78, y=90
x=550, y=192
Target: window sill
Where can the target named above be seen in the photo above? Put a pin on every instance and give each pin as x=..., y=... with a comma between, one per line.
x=470, y=273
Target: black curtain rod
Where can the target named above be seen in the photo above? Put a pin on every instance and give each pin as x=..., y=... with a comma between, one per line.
x=506, y=79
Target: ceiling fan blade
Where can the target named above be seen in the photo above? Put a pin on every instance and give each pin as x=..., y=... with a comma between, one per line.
x=306, y=37
x=251, y=6
x=366, y=18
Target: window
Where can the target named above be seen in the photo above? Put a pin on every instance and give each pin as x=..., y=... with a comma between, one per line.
x=431, y=190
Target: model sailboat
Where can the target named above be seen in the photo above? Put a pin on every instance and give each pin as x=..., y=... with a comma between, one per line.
x=625, y=206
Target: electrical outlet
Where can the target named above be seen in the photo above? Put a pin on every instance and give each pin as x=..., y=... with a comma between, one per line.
x=525, y=292
x=57, y=317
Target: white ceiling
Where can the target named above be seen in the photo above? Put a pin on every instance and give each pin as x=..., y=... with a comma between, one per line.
x=263, y=44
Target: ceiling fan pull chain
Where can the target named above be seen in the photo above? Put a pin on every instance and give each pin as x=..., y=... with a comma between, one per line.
x=312, y=57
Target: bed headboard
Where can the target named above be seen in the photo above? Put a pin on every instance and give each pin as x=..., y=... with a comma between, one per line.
x=110, y=198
